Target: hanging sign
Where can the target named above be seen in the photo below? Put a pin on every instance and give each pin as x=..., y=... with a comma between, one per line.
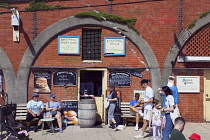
x=137, y=74
x=114, y=46
x=69, y=45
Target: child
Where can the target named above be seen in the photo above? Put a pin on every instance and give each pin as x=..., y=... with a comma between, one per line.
x=156, y=119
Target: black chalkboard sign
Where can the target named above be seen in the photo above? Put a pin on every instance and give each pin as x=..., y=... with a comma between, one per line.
x=67, y=78
x=120, y=79
x=69, y=105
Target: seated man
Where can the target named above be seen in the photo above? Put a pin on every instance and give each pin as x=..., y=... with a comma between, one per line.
x=136, y=110
x=35, y=108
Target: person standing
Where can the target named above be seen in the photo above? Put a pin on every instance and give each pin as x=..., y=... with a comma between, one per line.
x=176, y=133
x=112, y=98
x=174, y=91
x=136, y=110
x=148, y=99
x=35, y=107
x=156, y=120
x=169, y=108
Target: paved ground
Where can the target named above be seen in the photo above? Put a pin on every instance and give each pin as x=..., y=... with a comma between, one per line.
x=101, y=132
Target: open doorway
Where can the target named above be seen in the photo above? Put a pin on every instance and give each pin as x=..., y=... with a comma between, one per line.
x=94, y=82
x=91, y=83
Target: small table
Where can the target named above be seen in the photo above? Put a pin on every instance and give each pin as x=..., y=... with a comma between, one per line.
x=47, y=120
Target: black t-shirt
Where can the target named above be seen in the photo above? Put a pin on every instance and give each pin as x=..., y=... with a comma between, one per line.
x=114, y=95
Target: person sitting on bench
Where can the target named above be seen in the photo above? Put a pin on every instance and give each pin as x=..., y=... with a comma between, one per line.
x=136, y=110
x=35, y=107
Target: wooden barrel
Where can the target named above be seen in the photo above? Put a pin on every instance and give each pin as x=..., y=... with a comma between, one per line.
x=87, y=113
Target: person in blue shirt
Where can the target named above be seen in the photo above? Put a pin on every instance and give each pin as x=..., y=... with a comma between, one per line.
x=53, y=108
x=136, y=110
x=174, y=90
x=35, y=108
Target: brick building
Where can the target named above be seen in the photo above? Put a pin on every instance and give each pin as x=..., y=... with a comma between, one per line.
x=164, y=41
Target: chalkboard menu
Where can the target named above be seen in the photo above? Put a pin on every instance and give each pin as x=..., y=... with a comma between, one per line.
x=120, y=79
x=67, y=78
x=69, y=105
x=70, y=111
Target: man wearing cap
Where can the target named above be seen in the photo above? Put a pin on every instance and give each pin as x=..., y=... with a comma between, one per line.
x=148, y=99
x=35, y=108
x=176, y=133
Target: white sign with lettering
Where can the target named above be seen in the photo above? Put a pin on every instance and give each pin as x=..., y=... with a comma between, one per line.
x=188, y=83
x=68, y=45
x=114, y=46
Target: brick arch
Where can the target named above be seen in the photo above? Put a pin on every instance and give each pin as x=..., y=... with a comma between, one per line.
x=9, y=74
x=180, y=41
x=71, y=22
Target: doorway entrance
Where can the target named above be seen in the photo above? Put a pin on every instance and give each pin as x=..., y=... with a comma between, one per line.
x=94, y=82
x=91, y=83
x=207, y=95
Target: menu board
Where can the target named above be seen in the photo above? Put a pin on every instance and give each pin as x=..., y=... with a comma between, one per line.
x=120, y=79
x=70, y=110
x=69, y=105
x=67, y=78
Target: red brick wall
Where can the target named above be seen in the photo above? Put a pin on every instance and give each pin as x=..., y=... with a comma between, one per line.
x=50, y=57
x=157, y=22
x=191, y=104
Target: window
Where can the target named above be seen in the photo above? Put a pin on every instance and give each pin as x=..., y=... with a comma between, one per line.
x=91, y=44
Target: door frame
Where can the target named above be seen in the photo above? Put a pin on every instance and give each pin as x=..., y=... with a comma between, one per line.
x=104, y=85
x=204, y=95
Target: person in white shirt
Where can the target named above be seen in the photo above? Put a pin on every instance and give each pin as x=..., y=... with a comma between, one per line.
x=35, y=107
x=169, y=108
x=148, y=99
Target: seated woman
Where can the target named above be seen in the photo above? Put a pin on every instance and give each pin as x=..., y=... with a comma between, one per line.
x=53, y=109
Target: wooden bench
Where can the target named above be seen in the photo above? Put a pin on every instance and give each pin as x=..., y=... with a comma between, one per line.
x=126, y=115
x=21, y=112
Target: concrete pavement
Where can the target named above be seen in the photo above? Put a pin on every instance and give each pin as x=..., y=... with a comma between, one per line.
x=101, y=132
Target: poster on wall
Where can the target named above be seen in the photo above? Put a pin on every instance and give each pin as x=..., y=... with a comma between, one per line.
x=42, y=81
x=69, y=45
x=188, y=84
x=114, y=46
x=140, y=92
